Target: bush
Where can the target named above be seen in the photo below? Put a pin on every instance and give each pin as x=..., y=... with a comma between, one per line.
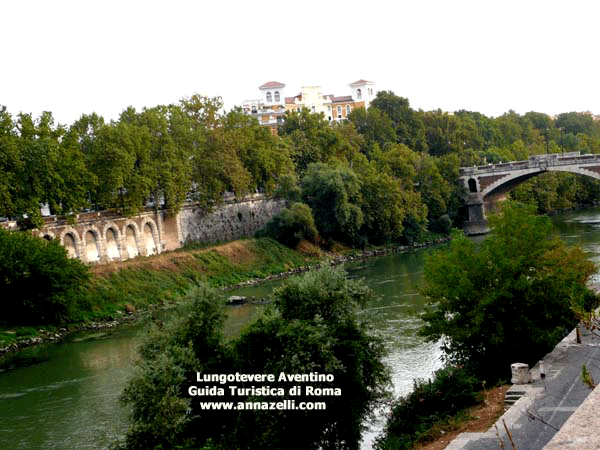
x=508, y=299
x=291, y=225
x=312, y=327
x=38, y=281
x=450, y=391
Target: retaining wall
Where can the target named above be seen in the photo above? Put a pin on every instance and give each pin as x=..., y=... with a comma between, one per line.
x=102, y=237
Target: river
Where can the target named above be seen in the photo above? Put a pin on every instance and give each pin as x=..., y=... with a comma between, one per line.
x=65, y=396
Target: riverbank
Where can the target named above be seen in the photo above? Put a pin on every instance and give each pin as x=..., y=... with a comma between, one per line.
x=119, y=291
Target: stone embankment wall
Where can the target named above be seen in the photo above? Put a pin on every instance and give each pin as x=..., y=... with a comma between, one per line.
x=102, y=237
x=228, y=222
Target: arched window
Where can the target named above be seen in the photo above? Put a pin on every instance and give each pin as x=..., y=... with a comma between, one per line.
x=472, y=185
x=269, y=97
x=358, y=94
x=339, y=112
x=347, y=110
x=276, y=96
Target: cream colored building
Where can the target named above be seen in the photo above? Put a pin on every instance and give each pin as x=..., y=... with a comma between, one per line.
x=270, y=108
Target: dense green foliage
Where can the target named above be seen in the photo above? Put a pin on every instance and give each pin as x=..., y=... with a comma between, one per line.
x=157, y=156
x=508, y=299
x=390, y=171
x=312, y=327
x=291, y=225
x=433, y=401
x=39, y=283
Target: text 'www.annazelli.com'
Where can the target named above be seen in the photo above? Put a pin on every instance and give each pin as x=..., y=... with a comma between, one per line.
x=283, y=405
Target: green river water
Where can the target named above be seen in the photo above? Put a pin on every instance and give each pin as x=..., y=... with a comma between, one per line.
x=65, y=396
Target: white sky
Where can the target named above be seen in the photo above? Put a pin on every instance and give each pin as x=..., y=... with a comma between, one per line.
x=80, y=56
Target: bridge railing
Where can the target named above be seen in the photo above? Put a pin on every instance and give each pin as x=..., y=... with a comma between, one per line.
x=536, y=161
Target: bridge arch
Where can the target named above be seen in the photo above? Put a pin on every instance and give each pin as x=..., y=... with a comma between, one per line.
x=509, y=182
x=485, y=184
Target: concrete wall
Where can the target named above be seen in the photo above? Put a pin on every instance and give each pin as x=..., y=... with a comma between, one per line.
x=102, y=237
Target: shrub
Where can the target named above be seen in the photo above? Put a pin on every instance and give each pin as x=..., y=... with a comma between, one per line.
x=313, y=326
x=291, y=225
x=38, y=281
x=450, y=391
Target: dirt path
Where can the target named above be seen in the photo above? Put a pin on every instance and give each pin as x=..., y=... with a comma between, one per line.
x=483, y=416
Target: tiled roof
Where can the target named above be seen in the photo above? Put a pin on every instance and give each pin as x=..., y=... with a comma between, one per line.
x=272, y=85
x=293, y=99
x=344, y=98
x=359, y=82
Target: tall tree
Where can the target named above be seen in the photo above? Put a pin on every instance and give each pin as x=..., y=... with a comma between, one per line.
x=313, y=327
x=409, y=127
x=508, y=299
x=312, y=139
x=333, y=193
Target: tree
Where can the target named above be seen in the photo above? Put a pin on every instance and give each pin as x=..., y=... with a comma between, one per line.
x=163, y=415
x=409, y=127
x=386, y=203
x=38, y=281
x=333, y=193
x=374, y=125
x=313, y=326
x=312, y=139
x=10, y=165
x=507, y=300
x=291, y=225
x=265, y=156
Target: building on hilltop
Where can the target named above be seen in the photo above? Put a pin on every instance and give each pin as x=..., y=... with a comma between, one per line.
x=272, y=105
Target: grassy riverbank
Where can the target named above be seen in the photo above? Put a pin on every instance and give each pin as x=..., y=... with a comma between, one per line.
x=163, y=278
x=144, y=282
x=119, y=288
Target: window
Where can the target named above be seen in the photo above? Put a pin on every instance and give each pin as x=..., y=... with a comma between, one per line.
x=339, y=112
x=269, y=97
x=313, y=109
x=276, y=96
x=370, y=91
x=358, y=94
x=347, y=110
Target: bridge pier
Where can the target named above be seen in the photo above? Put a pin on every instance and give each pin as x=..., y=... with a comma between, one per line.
x=477, y=223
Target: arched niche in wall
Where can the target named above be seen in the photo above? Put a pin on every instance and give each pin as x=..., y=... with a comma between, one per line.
x=113, y=250
x=92, y=251
x=131, y=245
x=149, y=240
x=70, y=244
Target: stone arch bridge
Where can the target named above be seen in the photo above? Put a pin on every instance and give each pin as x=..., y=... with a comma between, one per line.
x=487, y=184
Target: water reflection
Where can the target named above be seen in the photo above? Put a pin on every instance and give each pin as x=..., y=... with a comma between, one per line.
x=70, y=399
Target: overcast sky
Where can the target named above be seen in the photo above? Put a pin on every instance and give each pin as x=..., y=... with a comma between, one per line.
x=72, y=57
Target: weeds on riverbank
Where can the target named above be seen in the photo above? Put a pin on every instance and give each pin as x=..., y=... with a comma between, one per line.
x=117, y=288
x=432, y=403
x=164, y=278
